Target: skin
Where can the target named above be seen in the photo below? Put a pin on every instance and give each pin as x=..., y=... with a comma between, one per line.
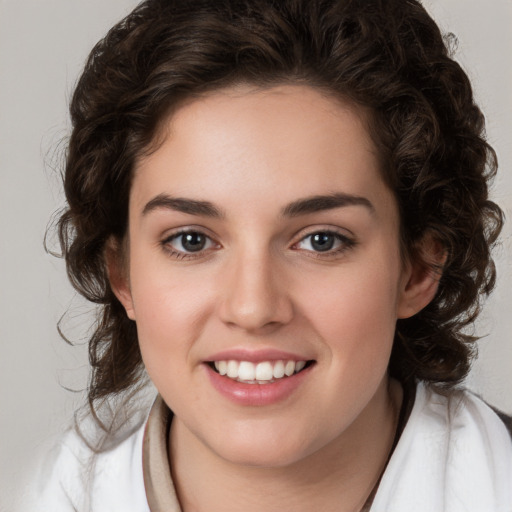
x=259, y=283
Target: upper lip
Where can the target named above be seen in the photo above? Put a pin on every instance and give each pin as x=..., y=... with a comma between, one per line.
x=255, y=356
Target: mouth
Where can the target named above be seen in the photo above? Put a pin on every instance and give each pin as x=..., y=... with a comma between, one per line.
x=263, y=372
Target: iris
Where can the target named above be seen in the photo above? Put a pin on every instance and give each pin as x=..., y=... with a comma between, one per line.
x=322, y=241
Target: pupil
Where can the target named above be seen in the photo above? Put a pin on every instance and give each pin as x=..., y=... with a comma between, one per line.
x=193, y=241
x=322, y=241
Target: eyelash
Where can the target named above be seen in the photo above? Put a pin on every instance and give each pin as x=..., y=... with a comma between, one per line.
x=181, y=255
x=346, y=243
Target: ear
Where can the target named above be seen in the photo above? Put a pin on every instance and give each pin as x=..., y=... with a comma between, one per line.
x=421, y=277
x=116, y=260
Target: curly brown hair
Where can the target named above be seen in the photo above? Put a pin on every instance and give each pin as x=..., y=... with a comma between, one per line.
x=387, y=55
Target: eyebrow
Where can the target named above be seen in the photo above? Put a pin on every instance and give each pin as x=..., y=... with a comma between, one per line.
x=190, y=206
x=325, y=202
x=303, y=206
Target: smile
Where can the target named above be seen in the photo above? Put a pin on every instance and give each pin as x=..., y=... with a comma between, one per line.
x=264, y=372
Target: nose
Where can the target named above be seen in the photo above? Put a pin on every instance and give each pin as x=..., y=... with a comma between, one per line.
x=255, y=295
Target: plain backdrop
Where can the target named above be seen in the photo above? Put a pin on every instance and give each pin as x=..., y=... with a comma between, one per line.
x=43, y=45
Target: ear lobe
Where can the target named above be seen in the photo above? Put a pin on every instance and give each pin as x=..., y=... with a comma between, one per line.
x=421, y=279
x=117, y=269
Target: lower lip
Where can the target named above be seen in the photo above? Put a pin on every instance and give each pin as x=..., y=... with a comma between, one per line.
x=256, y=394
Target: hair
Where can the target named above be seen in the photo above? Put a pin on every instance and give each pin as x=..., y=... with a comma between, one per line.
x=387, y=56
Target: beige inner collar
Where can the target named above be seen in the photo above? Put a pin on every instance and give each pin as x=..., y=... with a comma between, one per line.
x=160, y=491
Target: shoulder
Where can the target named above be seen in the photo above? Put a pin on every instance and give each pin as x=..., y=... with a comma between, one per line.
x=473, y=439
x=455, y=454
x=505, y=418
x=465, y=415
x=77, y=476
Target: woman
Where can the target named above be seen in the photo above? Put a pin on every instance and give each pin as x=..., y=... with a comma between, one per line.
x=282, y=208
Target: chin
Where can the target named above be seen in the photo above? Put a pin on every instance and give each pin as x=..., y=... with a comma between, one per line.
x=263, y=449
x=256, y=457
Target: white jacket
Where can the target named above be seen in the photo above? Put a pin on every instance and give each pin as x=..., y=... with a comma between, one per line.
x=454, y=455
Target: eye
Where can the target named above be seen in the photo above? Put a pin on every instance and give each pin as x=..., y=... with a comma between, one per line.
x=325, y=241
x=187, y=242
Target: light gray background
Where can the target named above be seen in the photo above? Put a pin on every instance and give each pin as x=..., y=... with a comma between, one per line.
x=43, y=44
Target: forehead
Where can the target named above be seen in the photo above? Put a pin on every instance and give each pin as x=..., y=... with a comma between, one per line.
x=251, y=142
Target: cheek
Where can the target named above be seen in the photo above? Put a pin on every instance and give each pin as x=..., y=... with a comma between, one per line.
x=355, y=311
x=169, y=312
x=355, y=319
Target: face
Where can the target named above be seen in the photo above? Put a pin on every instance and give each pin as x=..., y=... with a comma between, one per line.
x=264, y=271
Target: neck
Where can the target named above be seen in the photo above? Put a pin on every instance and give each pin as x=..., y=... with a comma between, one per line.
x=338, y=477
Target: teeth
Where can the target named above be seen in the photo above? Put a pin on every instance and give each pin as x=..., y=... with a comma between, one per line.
x=289, y=368
x=232, y=369
x=246, y=371
x=278, y=370
x=264, y=372
x=222, y=368
x=299, y=365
